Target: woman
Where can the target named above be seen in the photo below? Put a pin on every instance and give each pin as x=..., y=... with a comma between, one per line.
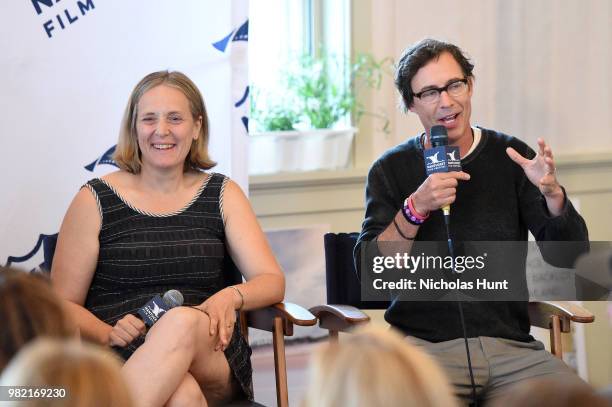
x=28, y=309
x=80, y=375
x=163, y=223
x=376, y=367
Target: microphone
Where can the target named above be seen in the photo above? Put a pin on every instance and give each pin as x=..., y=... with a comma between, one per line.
x=441, y=157
x=444, y=158
x=153, y=310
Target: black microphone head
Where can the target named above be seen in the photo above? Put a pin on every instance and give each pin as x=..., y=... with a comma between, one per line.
x=173, y=298
x=438, y=136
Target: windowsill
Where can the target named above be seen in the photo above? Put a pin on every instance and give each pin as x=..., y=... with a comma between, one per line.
x=565, y=162
x=583, y=160
x=295, y=199
x=307, y=178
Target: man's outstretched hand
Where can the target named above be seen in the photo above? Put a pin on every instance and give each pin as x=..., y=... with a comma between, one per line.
x=541, y=172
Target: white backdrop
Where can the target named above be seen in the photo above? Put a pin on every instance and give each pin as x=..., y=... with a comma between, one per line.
x=63, y=91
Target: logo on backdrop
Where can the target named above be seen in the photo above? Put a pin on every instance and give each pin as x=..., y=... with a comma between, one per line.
x=106, y=158
x=59, y=18
x=32, y=259
x=243, y=99
x=241, y=34
x=44, y=241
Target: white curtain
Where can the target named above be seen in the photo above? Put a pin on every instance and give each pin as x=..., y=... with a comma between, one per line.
x=543, y=68
x=66, y=71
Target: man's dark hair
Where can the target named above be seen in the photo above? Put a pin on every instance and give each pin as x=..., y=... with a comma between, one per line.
x=417, y=56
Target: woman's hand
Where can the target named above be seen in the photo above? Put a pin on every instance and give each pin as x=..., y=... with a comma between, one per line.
x=126, y=330
x=221, y=309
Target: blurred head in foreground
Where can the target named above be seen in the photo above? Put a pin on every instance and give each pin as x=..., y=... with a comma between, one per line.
x=28, y=309
x=90, y=375
x=375, y=367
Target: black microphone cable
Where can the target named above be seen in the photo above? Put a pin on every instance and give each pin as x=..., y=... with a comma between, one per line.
x=451, y=251
x=439, y=138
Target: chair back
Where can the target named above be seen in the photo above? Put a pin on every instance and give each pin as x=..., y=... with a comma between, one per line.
x=343, y=285
x=49, y=243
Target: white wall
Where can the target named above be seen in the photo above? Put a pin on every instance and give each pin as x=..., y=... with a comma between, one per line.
x=542, y=68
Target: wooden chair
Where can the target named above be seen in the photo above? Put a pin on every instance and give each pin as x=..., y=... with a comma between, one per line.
x=278, y=319
x=343, y=288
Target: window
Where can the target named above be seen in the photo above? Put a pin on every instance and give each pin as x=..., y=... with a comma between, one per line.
x=280, y=33
x=278, y=29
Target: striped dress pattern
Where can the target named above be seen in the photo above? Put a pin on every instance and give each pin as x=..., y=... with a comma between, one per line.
x=144, y=254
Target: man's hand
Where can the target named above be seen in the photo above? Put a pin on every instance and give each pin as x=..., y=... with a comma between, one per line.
x=221, y=309
x=126, y=330
x=541, y=172
x=438, y=190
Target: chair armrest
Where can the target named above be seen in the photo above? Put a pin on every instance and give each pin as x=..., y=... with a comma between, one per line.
x=339, y=317
x=541, y=311
x=290, y=314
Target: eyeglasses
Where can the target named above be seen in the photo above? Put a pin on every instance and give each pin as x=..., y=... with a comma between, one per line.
x=432, y=95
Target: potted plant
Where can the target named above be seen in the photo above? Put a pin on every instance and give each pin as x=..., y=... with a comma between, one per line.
x=308, y=126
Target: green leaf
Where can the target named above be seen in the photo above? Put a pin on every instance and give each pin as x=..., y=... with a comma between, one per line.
x=319, y=92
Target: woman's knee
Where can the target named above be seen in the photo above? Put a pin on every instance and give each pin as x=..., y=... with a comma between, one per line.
x=182, y=325
x=187, y=394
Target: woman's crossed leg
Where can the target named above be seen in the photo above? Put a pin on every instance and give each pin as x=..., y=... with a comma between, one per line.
x=177, y=364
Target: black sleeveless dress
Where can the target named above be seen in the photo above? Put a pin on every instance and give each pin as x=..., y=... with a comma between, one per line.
x=143, y=254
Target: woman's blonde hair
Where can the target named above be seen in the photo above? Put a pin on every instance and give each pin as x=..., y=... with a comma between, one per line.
x=375, y=367
x=90, y=375
x=127, y=153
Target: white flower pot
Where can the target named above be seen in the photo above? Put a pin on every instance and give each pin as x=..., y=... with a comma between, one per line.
x=290, y=151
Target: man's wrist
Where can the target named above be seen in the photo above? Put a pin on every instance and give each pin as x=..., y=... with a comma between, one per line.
x=416, y=208
x=556, y=193
x=410, y=213
x=555, y=201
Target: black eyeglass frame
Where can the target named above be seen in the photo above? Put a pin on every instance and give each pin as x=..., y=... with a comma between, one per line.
x=442, y=89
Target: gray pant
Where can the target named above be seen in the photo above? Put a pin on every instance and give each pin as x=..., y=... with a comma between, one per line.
x=497, y=364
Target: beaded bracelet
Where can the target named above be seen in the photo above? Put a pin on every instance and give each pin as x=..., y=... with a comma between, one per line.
x=411, y=215
x=414, y=211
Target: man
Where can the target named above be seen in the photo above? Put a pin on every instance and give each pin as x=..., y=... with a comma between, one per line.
x=503, y=190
